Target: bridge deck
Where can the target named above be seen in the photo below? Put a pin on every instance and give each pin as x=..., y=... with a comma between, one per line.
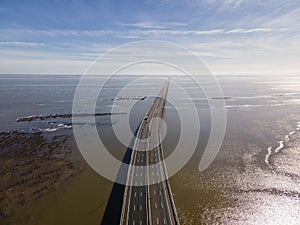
x=153, y=203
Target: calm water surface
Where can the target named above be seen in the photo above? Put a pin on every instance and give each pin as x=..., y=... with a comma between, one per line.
x=255, y=178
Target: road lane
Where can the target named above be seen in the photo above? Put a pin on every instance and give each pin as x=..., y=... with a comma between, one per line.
x=153, y=203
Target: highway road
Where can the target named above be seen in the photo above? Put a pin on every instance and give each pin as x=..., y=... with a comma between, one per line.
x=145, y=204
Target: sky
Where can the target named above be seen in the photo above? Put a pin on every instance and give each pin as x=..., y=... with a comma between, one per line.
x=246, y=37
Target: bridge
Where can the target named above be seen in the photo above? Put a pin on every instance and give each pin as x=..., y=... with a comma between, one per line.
x=148, y=198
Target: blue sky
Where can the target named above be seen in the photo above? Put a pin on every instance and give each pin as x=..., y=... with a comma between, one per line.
x=231, y=36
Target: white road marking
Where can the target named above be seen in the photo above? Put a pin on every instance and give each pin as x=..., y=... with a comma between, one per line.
x=141, y=194
x=134, y=194
x=162, y=205
x=164, y=220
x=155, y=204
x=133, y=207
x=140, y=207
x=157, y=220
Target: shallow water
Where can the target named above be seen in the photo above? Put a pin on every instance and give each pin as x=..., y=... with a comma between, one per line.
x=255, y=178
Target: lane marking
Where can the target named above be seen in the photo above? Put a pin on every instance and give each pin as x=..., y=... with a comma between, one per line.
x=148, y=127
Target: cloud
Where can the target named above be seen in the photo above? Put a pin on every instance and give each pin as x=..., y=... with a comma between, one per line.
x=12, y=33
x=232, y=35
x=226, y=3
x=222, y=4
x=128, y=34
x=152, y=25
x=236, y=4
x=290, y=19
x=171, y=32
x=142, y=25
x=245, y=31
x=21, y=43
x=42, y=66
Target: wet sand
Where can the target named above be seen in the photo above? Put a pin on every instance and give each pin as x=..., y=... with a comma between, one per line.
x=32, y=164
x=44, y=180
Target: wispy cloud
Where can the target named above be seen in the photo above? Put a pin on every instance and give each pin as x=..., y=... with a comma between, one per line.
x=246, y=31
x=130, y=34
x=170, y=32
x=225, y=4
x=236, y=3
x=20, y=43
x=232, y=3
x=127, y=34
x=229, y=33
x=142, y=25
x=290, y=19
x=152, y=25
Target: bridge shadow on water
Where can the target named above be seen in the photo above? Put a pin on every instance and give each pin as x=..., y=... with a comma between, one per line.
x=113, y=210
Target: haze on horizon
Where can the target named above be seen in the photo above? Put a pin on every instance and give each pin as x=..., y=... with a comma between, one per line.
x=231, y=36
